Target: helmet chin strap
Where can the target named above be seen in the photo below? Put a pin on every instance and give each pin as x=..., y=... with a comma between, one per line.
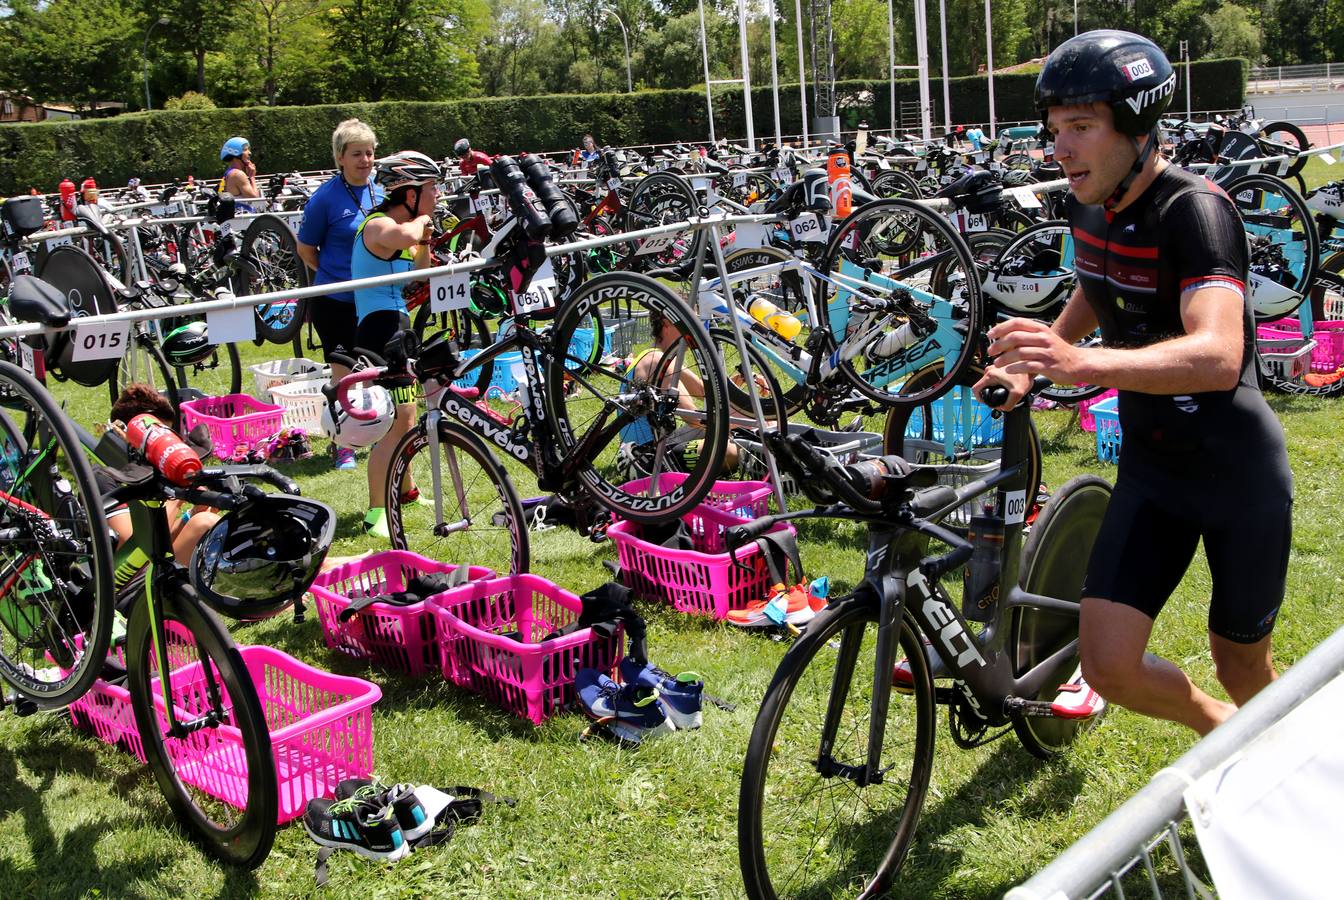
x=412, y=207
x=1140, y=160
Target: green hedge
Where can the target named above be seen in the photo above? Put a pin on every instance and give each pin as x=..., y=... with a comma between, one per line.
x=159, y=146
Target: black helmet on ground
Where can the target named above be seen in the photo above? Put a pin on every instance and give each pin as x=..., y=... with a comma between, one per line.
x=1126, y=71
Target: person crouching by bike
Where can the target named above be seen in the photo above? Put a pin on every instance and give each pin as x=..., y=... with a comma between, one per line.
x=327, y=237
x=682, y=448
x=187, y=524
x=393, y=238
x=1162, y=265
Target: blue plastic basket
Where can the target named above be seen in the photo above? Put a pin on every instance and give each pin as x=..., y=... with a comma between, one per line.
x=501, y=377
x=1107, y=416
x=973, y=423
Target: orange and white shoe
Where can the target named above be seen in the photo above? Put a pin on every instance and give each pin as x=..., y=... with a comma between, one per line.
x=1077, y=700
x=786, y=606
x=903, y=679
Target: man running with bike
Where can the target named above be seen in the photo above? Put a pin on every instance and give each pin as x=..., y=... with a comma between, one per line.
x=1161, y=261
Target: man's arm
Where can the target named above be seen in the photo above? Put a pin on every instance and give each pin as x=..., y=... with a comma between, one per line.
x=308, y=254
x=1077, y=320
x=1207, y=357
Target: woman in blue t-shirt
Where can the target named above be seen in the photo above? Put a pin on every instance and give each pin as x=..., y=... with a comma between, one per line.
x=393, y=239
x=326, y=237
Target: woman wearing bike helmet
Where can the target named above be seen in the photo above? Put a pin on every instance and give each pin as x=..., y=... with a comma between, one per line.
x=393, y=238
x=1161, y=260
x=326, y=240
x=240, y=175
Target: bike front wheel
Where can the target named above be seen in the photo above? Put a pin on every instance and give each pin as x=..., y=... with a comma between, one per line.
x=218, y=776
x=482, y=522
x=805, y=825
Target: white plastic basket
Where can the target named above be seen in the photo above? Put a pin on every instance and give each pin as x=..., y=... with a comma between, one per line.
x=284, y=371
x=845, y=446
x=301, y=402
x=1287, y=360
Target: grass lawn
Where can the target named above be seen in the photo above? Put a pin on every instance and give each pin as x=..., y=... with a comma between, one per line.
x=80, y=819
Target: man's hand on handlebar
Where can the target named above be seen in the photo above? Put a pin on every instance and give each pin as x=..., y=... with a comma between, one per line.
x=1016, y=385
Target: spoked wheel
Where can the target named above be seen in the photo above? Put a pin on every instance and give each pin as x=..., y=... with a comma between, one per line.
x=218, y=374
x=805, y=825
x=1283, y=242
x=56, y=592
x=219, y=775
x=670, y=405
x=894, y=185
x=1288, y=136
x=482, y=523
x=1054, y=561
x=660, y=199
x=272, y=256
x=893, y=312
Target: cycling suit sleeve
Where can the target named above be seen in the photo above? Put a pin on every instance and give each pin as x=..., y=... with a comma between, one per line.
x=1205, y=241
x=313, y=228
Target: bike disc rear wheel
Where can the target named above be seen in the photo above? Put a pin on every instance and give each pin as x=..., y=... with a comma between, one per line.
x=230, y=757
x=805, y=834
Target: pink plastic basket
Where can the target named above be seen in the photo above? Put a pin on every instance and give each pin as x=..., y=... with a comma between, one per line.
x=401, y=638
x=320, y=724
x=492, y=641
x=234, y=420
x=703, y=581
x=1327, y=357
x=1085, y=418
x=748, y=499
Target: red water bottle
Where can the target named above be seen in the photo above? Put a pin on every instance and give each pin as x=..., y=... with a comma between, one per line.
x=67, y=201
x=166, y=452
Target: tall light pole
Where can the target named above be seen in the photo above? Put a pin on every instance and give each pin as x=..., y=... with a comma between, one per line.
x=144, y=54
x=989, y=68
x=947, y=85
x=802, y=77
x=1075, y=18
x=625, y=39
x=709, y=96
x=746, y=73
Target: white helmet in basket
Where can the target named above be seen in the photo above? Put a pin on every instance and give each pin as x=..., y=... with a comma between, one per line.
x=353, y=433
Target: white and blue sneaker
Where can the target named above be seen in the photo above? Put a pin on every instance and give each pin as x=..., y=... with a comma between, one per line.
x=633, y=713
x=406, y=806
x=354, y=824
x=682, y=694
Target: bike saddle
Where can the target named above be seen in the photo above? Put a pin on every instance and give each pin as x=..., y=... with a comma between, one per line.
x=977, y=191
x=33, y=300
x=714, y=167
x=90, y=216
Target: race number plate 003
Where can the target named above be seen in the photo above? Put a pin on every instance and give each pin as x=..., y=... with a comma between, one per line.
x=540, y=294
x=658, y=243
x=449, y=292
x=100, y=340
x=807, y=229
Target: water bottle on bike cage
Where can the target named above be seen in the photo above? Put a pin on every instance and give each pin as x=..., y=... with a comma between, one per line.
x=524, y=203
x=981, y=579
x=166, y=452
x=563, y=219
x=780, y=321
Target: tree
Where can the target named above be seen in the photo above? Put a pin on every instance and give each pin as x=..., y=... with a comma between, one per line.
x=197, y=26
x=407, y=49
x=75, y=50
x=1232, y=33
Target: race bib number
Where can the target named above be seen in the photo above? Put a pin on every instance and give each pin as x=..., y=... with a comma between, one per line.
x=52, y=243
x=540, y=293
x=449, y=292
x=782, y=176
x=921, y=166
x=158, y=211
x=20, y=263
x=26, y=357
x=807, y=229
x=1050, y=149
x=748, y=235
x=1328, y=158
x=230, y=326
x=613, y=183
x=883, y=164
x=739, y=179
x=977, y=222
x=658, y=243
x=1014, y=507
x=225, y=229
x=1026, y=198
x=101, y=340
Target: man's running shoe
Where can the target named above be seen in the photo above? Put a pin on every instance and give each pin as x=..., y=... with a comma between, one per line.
x=903, y=678
x=369, y=829
x=632, y=713
x=681, y=694
x=345, y=459
x=408, y=809
x=1077, y=700
x=791, y=606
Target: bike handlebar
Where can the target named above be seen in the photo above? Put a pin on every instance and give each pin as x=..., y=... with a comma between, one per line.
x=341, y=392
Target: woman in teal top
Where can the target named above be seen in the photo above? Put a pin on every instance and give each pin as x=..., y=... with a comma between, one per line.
x=393, y=238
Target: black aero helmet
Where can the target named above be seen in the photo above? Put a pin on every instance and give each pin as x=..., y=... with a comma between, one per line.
x=188, y=344
x=1126, y=71
x=261, y=557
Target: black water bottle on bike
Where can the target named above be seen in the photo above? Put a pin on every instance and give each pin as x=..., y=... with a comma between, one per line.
x=563, y=219
x=981, y=579
x=524, y=203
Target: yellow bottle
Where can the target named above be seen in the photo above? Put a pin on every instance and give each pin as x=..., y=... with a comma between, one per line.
x=781, y=322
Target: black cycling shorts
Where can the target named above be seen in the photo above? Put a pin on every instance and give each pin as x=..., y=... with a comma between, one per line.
x=335, y=324
x=377, y=328
x=1144, y=548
